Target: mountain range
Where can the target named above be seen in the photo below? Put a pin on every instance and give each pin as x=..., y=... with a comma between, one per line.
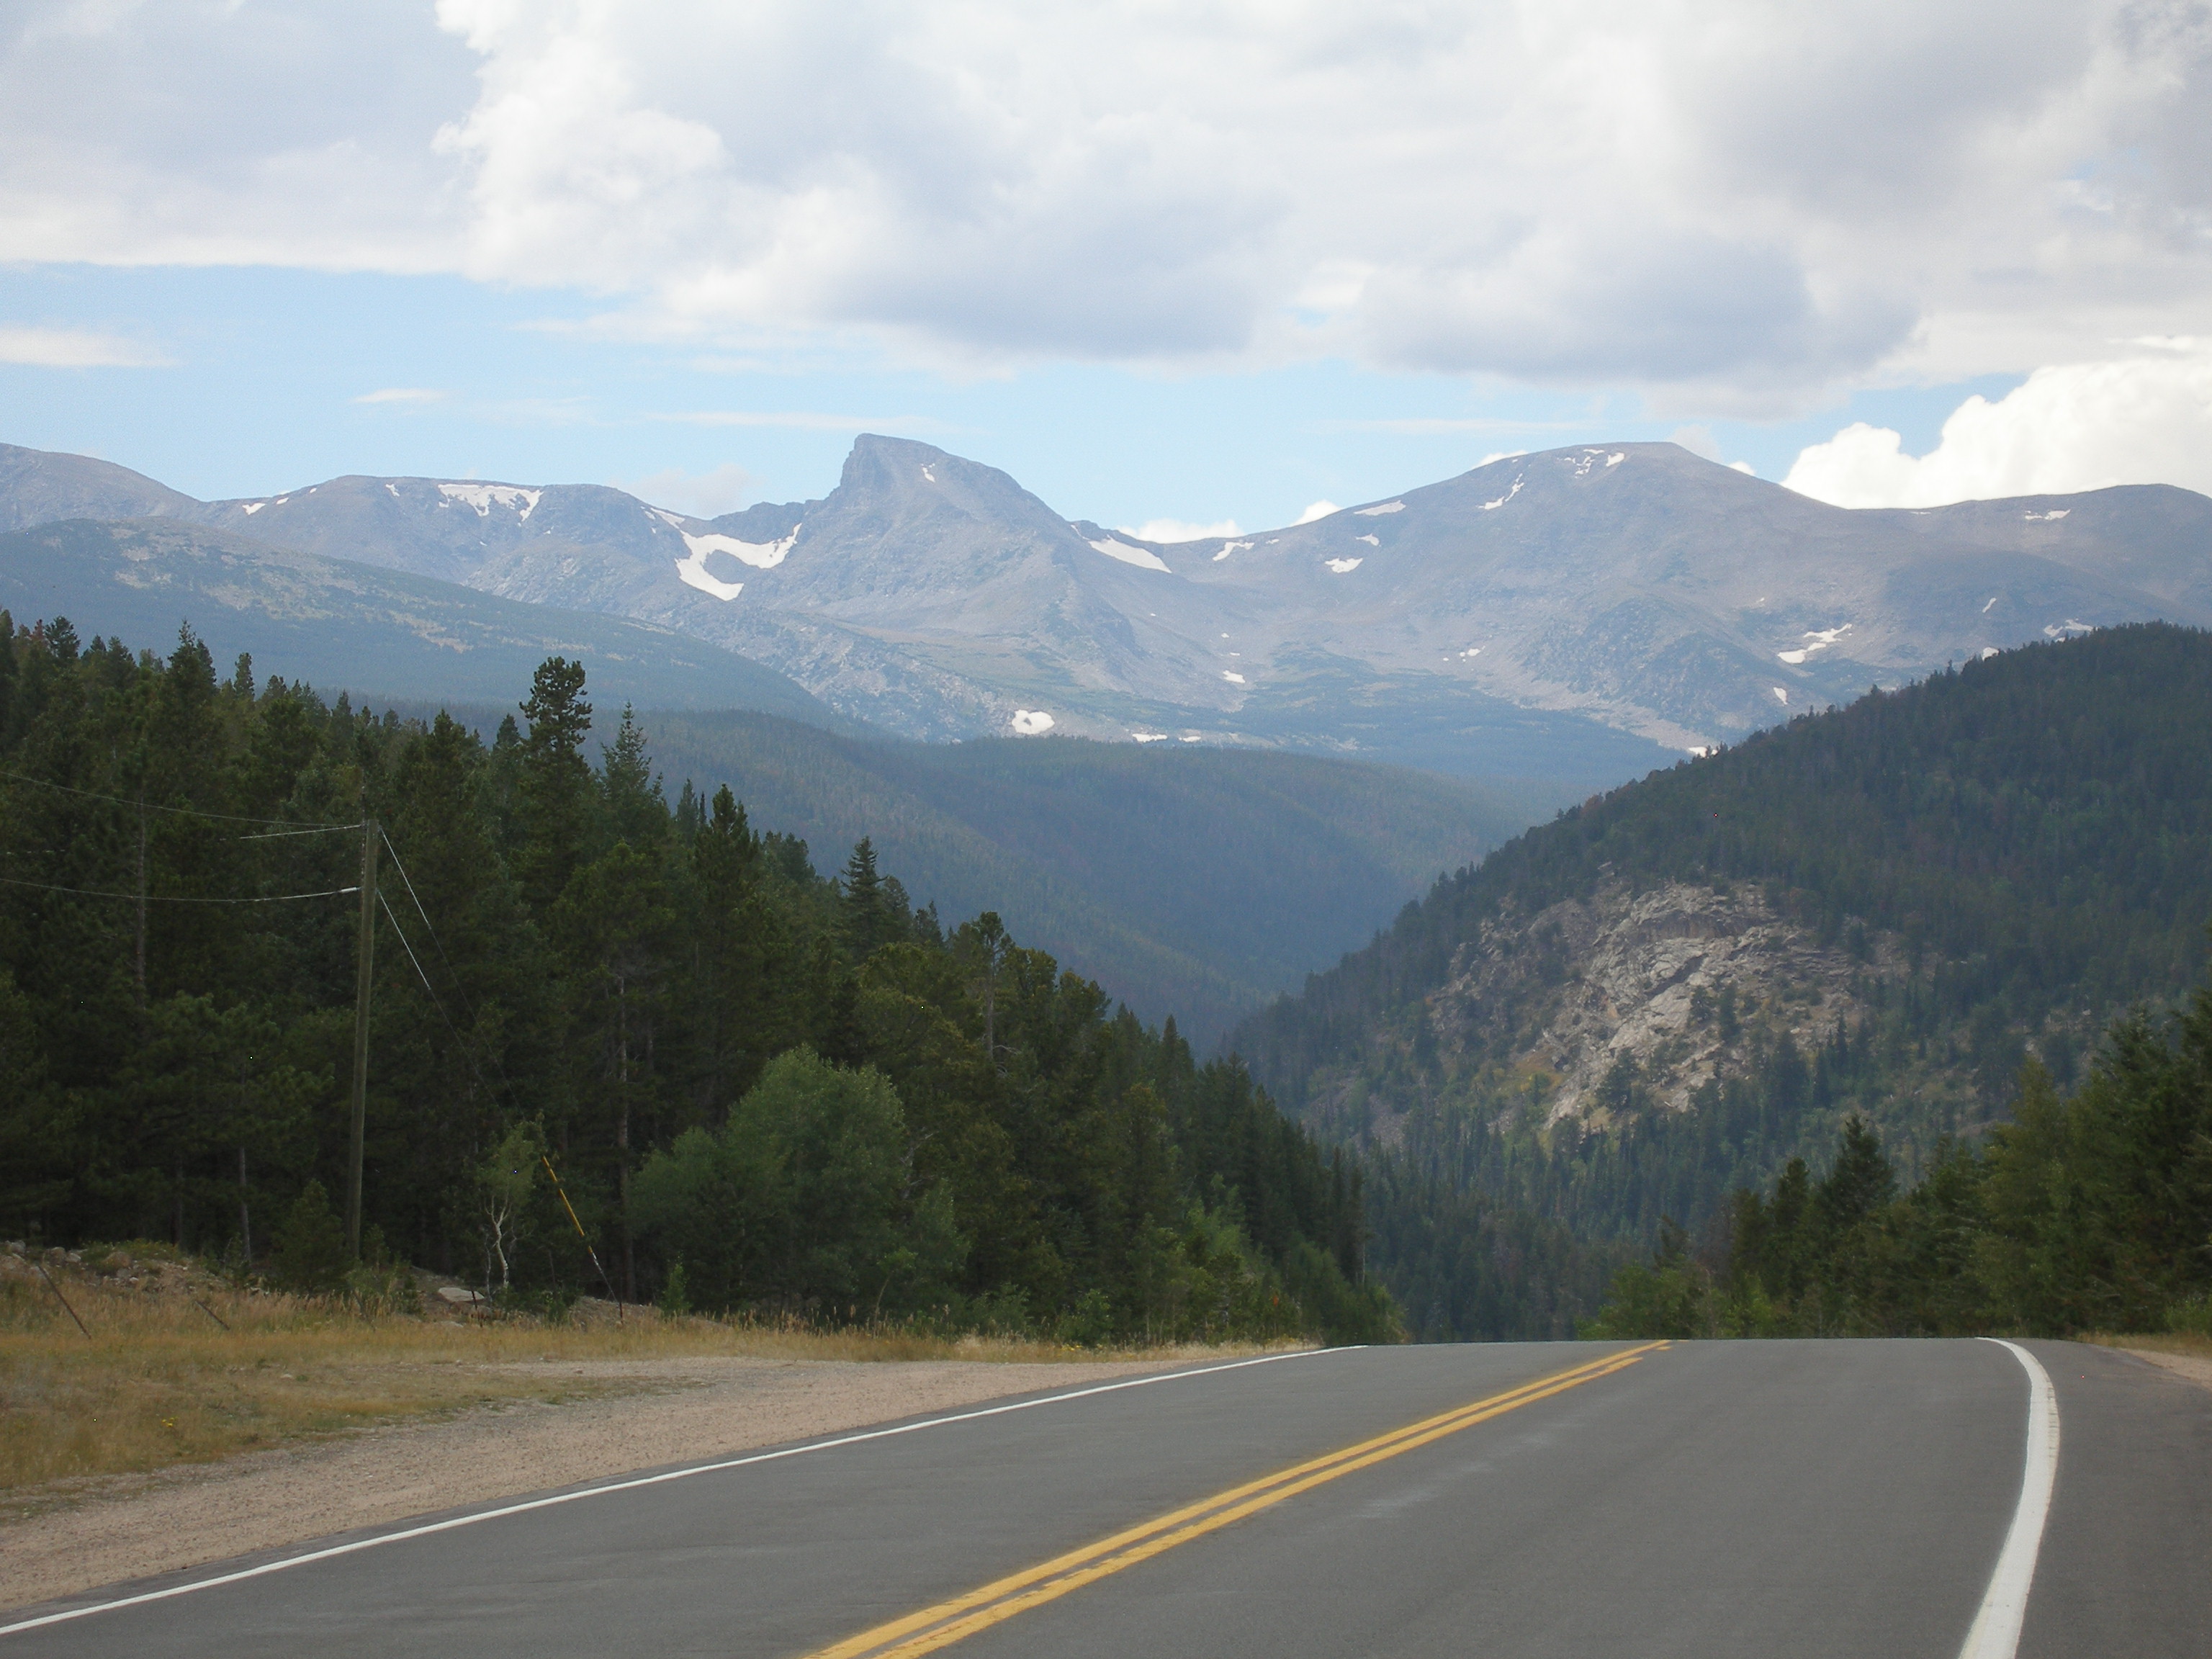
x=345, y=626
x=1583, y=613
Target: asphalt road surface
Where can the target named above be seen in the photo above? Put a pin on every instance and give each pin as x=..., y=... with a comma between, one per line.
x=1581, y=1499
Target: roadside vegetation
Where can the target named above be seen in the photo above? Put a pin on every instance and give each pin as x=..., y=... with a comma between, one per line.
x=2089, y=1213
x=177, y=1361
x=619, y=1045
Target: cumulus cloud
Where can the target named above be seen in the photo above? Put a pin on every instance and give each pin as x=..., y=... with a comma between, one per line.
x=1317, y=510
x=75, y=348
x=1179, y=530
x=1733, y=204
x=705, y=494
x=2145, y=418
x=286, y=132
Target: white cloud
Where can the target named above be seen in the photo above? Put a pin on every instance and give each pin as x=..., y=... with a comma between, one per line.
x=285, y=133
x=2144, y=418
x=1698, y=440
x=75, y=348
x=1178, y=529
x=802, y=420
x=705, y=494
x=1734, y=204
x=1318, y=510
x=402, y=394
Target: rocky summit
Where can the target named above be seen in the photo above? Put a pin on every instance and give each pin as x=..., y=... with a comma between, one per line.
x=1587, y=612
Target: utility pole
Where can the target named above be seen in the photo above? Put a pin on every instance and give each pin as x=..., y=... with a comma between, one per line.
x=365, y=961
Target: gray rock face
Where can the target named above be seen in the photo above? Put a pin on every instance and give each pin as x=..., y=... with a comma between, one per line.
x=1586, y=612
x=1585, y=986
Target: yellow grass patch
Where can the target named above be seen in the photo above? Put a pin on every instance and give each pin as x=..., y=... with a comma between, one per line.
x=158, y=1382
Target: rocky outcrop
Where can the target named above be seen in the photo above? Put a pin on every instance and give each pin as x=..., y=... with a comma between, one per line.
x=1667, y=978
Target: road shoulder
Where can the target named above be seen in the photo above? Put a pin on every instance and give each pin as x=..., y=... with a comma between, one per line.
x=672, y=1411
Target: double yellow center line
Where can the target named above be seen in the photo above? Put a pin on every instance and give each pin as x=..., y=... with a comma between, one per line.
x=963, y=1616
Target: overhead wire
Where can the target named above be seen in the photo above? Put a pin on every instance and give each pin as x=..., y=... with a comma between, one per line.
x=452, y=973
x=175, y=898
x=290, y=825
x=428, y=925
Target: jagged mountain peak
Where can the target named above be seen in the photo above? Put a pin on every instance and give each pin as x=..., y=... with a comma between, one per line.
x=1580, y=609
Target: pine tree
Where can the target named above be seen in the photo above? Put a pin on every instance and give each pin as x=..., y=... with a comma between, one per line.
x=555, y=789
x=637, y=811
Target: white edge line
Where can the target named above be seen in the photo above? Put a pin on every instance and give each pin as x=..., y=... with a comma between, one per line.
x=459, y=1520
x=1996, y=1634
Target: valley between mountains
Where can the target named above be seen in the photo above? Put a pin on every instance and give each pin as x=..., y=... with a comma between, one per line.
x=1845, y=825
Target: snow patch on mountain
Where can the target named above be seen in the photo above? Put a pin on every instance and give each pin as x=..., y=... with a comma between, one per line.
x=1377, y=512
x=483, y=496
x=1821, y=639
x=1127, y=555
x=762, y=556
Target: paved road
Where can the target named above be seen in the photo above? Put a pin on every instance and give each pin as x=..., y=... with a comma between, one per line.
x=1703, y=1499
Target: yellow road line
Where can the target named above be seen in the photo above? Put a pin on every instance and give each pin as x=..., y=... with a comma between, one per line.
x=961, y=1616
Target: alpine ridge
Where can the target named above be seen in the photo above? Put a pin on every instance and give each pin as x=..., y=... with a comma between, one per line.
x=1585, y=613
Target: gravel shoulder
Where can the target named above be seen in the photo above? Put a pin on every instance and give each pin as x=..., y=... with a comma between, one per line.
x=2196, y=1367
x=659, y=1411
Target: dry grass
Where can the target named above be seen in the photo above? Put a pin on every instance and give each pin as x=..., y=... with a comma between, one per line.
x=159, y=1383
x=2189, y=1344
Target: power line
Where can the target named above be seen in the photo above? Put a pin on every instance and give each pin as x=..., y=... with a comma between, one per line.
x=468, y=1051
x=174, y=898
x=280, y=835
x=287, y=824
x=452, y=973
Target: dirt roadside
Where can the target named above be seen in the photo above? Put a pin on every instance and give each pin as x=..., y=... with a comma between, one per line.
x=2196, y=1367
x=122, y=1527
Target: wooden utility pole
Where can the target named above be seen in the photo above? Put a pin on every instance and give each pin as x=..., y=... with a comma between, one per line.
x=365, y=961
x=139, y=957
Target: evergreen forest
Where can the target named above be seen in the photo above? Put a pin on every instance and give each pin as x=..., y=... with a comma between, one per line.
x=618, y=1044
x=2030, y=836
x=2088, y=1213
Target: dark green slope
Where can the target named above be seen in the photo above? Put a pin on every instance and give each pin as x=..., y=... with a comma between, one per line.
x=1192, y=880
x=2039, y=825
x=2007, y=855
x=1195, y=881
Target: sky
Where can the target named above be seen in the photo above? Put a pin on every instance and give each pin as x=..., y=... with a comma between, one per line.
x=1175, y=267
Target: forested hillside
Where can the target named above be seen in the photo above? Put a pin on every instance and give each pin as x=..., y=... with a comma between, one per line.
x=1197, y=880
x=2092, y=1212
x=1624, y=1016
x=756, y=1085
